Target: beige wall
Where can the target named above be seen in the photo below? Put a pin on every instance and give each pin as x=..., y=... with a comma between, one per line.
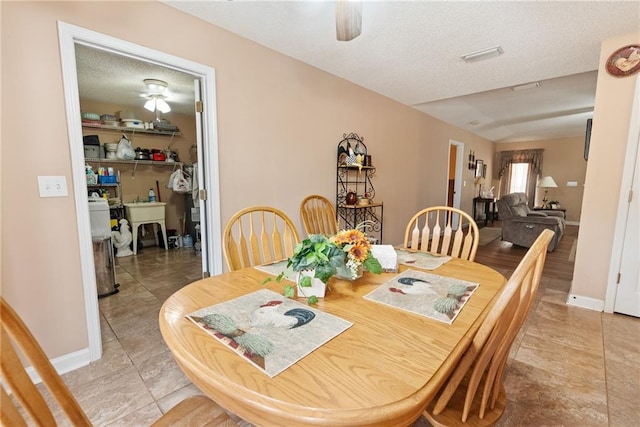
x=279, y=123
x=564, y=161
x=611, y=119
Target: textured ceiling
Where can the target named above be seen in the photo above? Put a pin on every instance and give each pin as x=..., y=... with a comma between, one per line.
x=115, y=79
x=410, y=51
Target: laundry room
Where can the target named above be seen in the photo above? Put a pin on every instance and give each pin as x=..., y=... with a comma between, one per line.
x=139, y=140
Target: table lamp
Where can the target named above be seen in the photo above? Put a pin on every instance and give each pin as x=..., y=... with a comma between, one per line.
x=546, y=183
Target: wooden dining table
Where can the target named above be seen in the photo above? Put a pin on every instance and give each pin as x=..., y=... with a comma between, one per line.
x=382, y=371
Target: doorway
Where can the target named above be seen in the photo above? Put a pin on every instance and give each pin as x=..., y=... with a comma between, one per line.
x=207, y=149
x=623, y=290
x=454, y=177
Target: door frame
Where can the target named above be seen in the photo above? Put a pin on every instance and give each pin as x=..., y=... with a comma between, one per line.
x=630, y=159
x=457, y=185
x=69, y=35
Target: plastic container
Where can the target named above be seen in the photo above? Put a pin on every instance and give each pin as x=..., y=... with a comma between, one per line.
x=152, y=195
x=107, y=179
x=187, y=241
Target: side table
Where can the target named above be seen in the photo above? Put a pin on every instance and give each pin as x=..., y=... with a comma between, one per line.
x=489, y=208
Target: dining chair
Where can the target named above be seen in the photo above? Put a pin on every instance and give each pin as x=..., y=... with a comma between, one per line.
x=28, y=405
x=258, y=235
x=432, y=230
x=474, y=394
x=318, y=215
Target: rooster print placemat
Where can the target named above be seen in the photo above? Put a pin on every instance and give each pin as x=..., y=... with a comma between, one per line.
x=274, y=268
x=436, y=297
x=422, y=260
x=267, y=329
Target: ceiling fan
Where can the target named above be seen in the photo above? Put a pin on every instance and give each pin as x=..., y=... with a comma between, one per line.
x=348, y=19
x=156, y=97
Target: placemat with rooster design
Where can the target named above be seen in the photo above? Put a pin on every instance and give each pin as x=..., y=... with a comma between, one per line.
x=437, y=297
x=268, y=330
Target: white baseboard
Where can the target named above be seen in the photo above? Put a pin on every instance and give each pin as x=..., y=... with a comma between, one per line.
x=63, y=364
x=573, y=223
x=585, y=302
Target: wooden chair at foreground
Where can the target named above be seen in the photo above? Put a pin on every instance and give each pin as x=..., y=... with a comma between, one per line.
x=258, y=235
x=16, y=337
x=318, y=215
x=432, y=230
x=474, y=394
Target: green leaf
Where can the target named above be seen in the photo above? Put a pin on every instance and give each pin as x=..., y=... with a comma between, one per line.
x=267, y=280
x=289, y=292
x=324, y=272
x=372, y=265
x=312, y=300
x=305, y=282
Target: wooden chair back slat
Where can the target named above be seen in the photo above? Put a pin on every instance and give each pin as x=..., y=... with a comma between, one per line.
x=474, y=393
x=443, y=230
x=272, y=237
x=318, y=215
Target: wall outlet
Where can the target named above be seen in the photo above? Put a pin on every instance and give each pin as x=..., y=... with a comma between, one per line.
x=53, y=186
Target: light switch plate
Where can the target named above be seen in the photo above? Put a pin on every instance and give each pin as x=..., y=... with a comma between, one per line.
x=572, y=183
x=53, y=186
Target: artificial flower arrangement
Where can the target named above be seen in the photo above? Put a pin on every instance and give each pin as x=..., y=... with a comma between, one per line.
x=357, y=247
x=347, y=251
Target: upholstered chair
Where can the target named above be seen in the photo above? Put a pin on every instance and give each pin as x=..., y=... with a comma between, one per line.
x=521, y=225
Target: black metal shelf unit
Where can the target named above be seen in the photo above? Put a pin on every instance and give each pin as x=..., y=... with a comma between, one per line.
x=354, y=174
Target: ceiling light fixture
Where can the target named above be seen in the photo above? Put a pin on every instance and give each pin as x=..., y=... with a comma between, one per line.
x=527, y=86
x=480, y=55
x=155, y=87
x=156, y=98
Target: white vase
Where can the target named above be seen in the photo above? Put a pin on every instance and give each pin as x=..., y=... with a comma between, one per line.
x=317, y=288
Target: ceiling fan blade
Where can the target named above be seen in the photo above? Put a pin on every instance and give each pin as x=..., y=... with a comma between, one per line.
x=348, y=19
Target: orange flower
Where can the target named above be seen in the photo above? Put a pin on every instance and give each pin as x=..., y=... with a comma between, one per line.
x=359, y=252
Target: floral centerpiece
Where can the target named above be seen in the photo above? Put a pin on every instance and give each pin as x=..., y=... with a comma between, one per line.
x=357, y=249
x=348, y=252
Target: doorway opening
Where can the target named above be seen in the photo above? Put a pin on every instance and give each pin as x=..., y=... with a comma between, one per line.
x=454, y=178
x=207, y=154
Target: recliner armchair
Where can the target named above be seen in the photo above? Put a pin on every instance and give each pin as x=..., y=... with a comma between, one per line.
x=521, y=226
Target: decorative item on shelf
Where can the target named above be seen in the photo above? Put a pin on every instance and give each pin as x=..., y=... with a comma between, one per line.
x=363, y=201
x=348, y=252
x=546, y=183
x=352, y=198
x=351, y=150
x=554, y=204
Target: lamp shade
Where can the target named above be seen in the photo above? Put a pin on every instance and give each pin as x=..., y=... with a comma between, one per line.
x=547, y=182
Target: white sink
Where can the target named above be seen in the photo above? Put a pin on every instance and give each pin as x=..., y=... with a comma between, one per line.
x=145, y=212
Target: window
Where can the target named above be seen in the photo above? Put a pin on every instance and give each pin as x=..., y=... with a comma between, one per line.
x=518, y=181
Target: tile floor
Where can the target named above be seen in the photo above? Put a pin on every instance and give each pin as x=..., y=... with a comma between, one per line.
x=568, y=367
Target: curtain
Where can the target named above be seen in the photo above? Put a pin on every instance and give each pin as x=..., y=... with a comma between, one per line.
x=533, y=158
